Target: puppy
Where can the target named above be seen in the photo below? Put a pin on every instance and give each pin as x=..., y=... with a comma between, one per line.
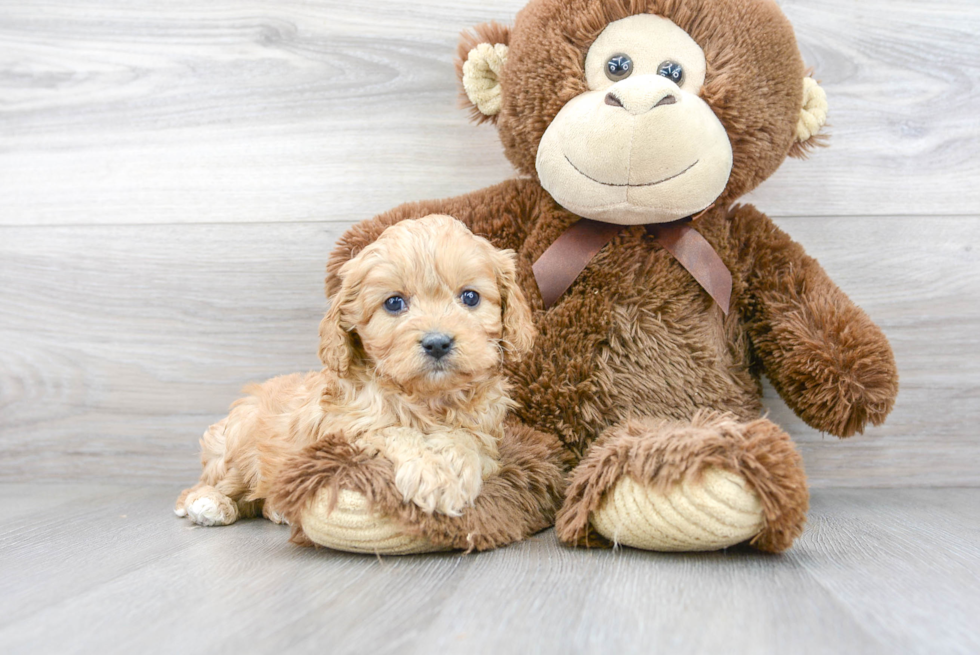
x=412, y=346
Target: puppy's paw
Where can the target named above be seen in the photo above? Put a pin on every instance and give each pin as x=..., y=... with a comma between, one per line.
x=180, y=507
x=439, y=483
x=270, y=513
x=440, y=472
x=207, y=506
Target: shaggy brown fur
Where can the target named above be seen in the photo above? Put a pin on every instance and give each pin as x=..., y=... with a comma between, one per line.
x=753, y=80
x=518, y=501
x=822, y=353
x=636, y=336
x=635, y=356
x=663, y=453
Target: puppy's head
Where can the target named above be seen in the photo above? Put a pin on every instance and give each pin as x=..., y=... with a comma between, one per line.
x=429, y=306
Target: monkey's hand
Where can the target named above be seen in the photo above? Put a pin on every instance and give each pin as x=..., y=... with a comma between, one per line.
x=831, y=364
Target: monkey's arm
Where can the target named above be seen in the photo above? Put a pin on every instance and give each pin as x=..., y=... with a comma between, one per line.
x=831, y=364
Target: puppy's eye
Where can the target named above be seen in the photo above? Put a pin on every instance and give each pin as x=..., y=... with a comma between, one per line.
x=619, y=67
x=672, y=71
x=395, y=305
x=470, y=298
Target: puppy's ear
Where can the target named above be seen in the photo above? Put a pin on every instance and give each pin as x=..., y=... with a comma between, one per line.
x=519, y=330
x=337, y=348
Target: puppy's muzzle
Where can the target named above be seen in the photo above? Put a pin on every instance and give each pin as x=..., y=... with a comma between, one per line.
x=437, y=345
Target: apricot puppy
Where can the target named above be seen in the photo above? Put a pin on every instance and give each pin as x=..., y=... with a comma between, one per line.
x=413, y=347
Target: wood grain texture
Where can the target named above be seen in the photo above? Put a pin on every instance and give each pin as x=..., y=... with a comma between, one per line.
x=117, y=112
x=173, y=176
x=113, y=571
x=120, y=344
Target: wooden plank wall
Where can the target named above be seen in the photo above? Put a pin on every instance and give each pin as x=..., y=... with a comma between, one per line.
x=173, y=174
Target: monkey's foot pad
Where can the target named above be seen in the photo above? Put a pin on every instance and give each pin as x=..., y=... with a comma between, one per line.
x=352, y=527
x=717, y=511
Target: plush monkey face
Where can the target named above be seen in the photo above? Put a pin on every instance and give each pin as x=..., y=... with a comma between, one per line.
x=641, y=145
x=644, y=111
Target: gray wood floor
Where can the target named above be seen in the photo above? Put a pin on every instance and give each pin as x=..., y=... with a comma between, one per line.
x=109, y=569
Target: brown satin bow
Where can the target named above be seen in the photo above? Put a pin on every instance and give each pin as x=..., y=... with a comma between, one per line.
x=567, y=257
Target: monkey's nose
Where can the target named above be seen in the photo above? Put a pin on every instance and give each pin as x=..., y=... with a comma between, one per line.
x=437, y=345
x=641, y=104
x=612, y=100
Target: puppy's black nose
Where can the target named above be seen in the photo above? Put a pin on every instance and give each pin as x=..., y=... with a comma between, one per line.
x=437, y=345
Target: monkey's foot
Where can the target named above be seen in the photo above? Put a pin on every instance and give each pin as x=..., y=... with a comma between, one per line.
x=352, y=527
x=336, y=495
x=704, y=484
x=718, y=511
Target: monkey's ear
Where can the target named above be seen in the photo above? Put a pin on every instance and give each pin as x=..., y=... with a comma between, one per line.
x=337, y=348
x=480, y=61
x=813, y=117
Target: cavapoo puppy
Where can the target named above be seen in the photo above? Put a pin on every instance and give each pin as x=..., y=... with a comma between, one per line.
x=412, y=346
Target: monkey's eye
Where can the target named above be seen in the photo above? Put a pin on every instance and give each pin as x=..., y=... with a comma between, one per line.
x=395, y=305
x=619, y=67
x=672, y=71
x=470, y=298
